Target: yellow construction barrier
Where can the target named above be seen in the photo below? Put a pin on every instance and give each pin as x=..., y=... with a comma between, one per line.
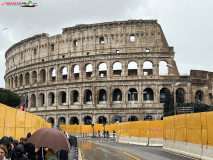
x=17, y=123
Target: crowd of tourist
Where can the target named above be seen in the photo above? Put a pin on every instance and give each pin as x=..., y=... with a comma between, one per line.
x=11, y=149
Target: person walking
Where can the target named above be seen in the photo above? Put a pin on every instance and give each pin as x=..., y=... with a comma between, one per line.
x=40, y=153
x=99, y=135
x=20, y=152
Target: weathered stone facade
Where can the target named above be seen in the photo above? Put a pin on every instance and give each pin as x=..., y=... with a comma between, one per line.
x=97, y=73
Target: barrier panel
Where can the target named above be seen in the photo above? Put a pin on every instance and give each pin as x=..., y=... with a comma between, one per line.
x=17, y=123
x=190, y=134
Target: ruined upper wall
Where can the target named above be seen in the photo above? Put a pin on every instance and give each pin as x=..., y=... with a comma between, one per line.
x=133, y=36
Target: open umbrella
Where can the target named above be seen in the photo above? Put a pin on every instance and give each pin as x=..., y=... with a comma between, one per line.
x=50, y=138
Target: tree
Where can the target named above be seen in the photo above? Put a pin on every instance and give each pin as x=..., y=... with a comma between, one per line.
x=198, y=107
x=179, y=98
x=169, y=103
x=9, y=98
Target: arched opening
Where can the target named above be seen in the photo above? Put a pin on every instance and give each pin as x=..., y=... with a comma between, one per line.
x=117, y=96
x=132, y=95
x=62, y=98
x=34, y=77
x=20, y=80
x=51, y=120
x=102, y=97
x=132, y=69
x=117, y=68
x=148, y=95
x=74, y=120
x=61, y=121
x=63, y=73
x=162, y=95
x=102, y=120
x=180, y=96
x=199, y=96
x=89, y=70
x=163, y=68
x=133, y=118
x=76, y=71
x=88, y=97
x=16, y=81
x=117, y=119
x=87, y=120
x=53, y=74
x=41, y=100
x=27, y=79
x=211, y=98
x=102, y=70
x=148, y=118
x=51, y=99
x=42, y=76
x=75, y=97
x=33, y=101
x=147, y=68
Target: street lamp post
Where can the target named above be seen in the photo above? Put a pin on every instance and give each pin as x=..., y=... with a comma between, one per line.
x=173, y=85
x=130, y=104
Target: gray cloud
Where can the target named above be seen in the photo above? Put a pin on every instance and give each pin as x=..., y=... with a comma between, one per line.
x=187, y=24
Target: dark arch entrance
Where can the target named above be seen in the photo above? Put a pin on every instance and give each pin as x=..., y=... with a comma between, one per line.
x=148, y=118
x=133, y=118
x=87, y=120
x=74, y=120
x=102, y=120
x=61, y=121
x=51, y=120
x=117, y=119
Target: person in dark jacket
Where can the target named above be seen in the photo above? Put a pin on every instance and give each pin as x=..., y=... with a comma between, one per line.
x=20, y=152
x=63, y=155
x=40, y=153
x=11, y=152
x=29, y=149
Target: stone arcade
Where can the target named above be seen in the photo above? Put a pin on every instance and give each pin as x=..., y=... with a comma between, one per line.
x=104, y=72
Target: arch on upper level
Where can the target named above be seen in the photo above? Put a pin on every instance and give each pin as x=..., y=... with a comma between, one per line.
x=163, y=68
x=117, y=68
x=132, y=68
x=102, y=68
x=147, y=68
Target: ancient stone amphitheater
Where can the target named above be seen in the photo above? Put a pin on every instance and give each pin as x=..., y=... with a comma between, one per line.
x=101, y=73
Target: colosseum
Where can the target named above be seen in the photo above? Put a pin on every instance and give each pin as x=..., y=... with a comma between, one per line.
x=101, y=73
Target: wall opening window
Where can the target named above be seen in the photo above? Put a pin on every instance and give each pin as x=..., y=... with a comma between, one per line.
x=52, y=47
x=75, y=43
x=102, y=40
x=147, y=50
x=117, y=51
x=132, y=38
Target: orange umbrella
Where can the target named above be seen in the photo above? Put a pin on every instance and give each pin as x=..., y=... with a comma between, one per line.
x=50, y=138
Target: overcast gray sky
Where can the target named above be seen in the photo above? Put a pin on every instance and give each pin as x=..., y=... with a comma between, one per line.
x=187, y=24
